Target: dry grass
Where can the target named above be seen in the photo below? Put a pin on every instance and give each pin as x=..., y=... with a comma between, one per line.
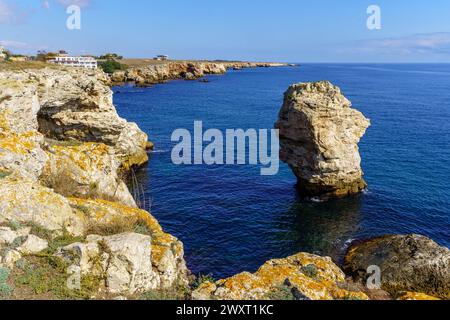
x=20, y=66
x=118, y=226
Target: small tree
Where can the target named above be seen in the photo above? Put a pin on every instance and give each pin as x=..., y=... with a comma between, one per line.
x=111, y=66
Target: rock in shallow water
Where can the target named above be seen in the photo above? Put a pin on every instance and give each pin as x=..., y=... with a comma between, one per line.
x=407, y=263
x=319, y=136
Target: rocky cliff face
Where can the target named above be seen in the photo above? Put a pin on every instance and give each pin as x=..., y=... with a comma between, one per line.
x=319, y=136
x=153, y=74
x=62, y=148
x=74, y=105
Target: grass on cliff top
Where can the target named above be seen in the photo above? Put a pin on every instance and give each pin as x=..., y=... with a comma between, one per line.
x=26, y=65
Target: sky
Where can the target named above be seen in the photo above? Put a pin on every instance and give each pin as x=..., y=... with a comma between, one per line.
x=263, y=30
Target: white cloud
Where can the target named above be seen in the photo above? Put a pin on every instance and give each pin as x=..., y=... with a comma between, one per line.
x=80, y=3
x=428, y=43
x=13, y=44
x=46, y=4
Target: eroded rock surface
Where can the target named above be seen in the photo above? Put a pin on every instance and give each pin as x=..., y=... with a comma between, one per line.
x=319, y=136
x=408, y=263
x=62, y=151
x=301, y=277
x=70, y=105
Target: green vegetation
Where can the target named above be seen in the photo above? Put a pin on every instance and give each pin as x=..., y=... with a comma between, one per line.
x=110, y=56
x=201, y=279
x=310, y=270
x=281, y=293
x=4, y=174
x=5, y=289
x=46, y=276
x=111, y=66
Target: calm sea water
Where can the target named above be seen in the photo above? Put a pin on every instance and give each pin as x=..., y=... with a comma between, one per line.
x=231, y=219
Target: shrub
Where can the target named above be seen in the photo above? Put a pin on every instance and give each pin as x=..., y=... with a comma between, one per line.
x=111, y=66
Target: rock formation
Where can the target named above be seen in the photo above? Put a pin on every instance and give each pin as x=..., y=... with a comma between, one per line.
x=300, y=277
x=62, y=150
x=152, y=74
x=407, y=263
x=319, y=136
x=74, y=105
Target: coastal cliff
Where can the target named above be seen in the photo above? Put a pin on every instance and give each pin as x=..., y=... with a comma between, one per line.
x=319, y=136
x=65, y=210
x=147, y=74
x=67, y=215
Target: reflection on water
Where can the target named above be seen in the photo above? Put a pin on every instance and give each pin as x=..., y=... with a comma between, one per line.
x=320, y=228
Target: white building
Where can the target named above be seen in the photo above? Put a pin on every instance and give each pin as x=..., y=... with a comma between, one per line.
x=80, y=62
x=161, y=57
x=2, y=53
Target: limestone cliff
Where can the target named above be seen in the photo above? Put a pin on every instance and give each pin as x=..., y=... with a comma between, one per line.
x=70, y=105
x=148, y=74
x=62, y=149
x=319, y=136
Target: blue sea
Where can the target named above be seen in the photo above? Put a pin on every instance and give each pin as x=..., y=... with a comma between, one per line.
x=232, y=219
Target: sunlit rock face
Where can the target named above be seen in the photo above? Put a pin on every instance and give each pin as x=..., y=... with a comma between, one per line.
x=63, y=150
x=319, y=136
x=300, y=277
x=73, y=105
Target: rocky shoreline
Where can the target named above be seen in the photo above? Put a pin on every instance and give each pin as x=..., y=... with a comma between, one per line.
x=147, y=75
x=66, y=213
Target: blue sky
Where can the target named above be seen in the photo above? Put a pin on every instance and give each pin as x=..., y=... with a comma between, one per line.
x=282, y=30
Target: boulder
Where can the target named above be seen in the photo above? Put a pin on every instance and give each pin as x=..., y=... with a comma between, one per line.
x=32, y=245
x=319, y=136
x=27, y=202
x=122, y=262
x=167, y=251
x=300, y=277
x=411, y=263
x=87, y=170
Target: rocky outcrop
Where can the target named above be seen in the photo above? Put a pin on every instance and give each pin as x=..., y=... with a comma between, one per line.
x=26, y=201
x=157, y=73
x=71, y=105
x=409, y=263
x=300, y=277
x=63, y=149
x=319, y=136
x=87, y=170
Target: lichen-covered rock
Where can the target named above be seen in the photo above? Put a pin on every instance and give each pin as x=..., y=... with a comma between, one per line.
x=32, y=245
x=167, y=251
x=319, y=136
x=20, y=150
x=302, y=276
x=405, y=296
x=71, y=104
x=122, y=262
x=26, y=201
x=411, y=263
x=87, y=170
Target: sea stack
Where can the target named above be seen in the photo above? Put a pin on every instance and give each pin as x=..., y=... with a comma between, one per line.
x=319, y=136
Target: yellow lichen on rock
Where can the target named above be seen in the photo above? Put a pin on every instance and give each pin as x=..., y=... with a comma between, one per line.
x=28, y=202
x=167, y=251
x=309, y=276
x=416, y=296
x=85, y=170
